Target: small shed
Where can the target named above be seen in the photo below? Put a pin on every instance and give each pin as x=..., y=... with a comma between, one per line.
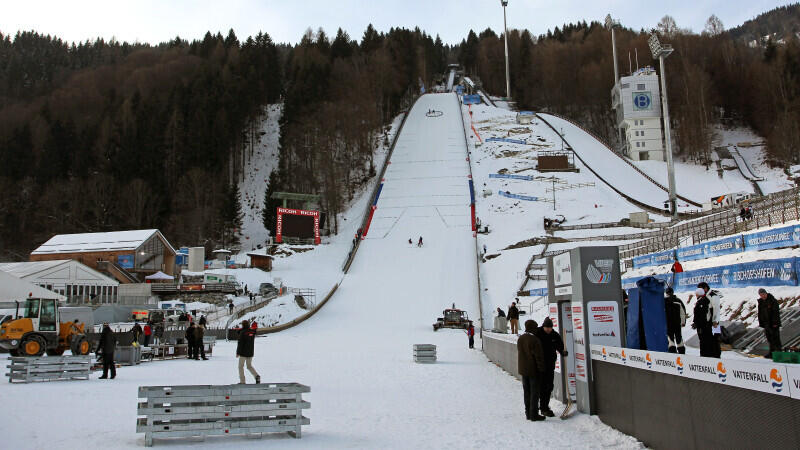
x=261, y=261
x=525, y=117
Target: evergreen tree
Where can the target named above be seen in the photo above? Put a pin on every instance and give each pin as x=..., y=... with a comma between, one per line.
x=230, y=217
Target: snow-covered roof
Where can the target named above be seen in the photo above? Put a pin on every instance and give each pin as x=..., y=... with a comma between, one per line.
x=97, y=242
x=25, y=269
x=12, y=288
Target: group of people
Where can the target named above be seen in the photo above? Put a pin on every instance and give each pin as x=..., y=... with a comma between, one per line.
x=194, y=340
x=706, y=320
x=746, y=213
x=419, y=242
x=512, y=316
x=537, y=351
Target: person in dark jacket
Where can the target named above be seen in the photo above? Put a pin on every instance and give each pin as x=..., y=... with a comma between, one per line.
x=703, y=316
x=203, y=321
x=513, y=317
x=189, y=335
x=676, y=319
x=137, y=333
x=199, y=348
x=106, y=347
x=500, y=312
x=244, y=351
x=471, y=334
x=769, y=318
x=531, y=366
x=551, y=345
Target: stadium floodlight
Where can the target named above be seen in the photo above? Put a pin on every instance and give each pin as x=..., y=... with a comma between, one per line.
x=505, y=36
x=611, y=24
x=661, y=51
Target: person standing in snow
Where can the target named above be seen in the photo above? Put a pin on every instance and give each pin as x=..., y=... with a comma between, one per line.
x=471, y=335
x=203, y=321
x=245, y=349
x=190, y=342
x=230, y=307
x=410, y=242
x=106, y=347
x=676, y=319
x=769, y=318
x=715, y=298
x=419, y=243
x=148, y=331
x=551, y=345
x=513, y=317
x=531, y=366
x=137, y=333
x=703, y=323
x=199, y=347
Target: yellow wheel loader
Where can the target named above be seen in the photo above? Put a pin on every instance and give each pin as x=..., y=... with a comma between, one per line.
x=39, y=330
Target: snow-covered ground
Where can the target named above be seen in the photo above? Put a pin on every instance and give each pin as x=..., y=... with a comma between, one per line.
x=356, y=353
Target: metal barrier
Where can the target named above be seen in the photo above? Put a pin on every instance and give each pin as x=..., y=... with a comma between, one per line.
x=424, y=353
x=209, y=410
x=48, y=368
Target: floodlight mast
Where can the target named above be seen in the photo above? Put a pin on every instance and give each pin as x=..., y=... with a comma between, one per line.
x=505, y=39
x=611, y=24
x=661, y=51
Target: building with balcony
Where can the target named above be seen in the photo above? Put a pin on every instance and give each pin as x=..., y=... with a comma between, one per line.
x=636, y=99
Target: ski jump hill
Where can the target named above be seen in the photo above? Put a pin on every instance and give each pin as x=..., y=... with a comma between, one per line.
x=613, y=169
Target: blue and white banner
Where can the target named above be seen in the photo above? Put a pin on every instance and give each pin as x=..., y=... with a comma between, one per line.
x=711, y=249
x=513, y=177
x=654, y=259
x=775, y=238
x=541, y=292
x=511, y=141
x=772, y=272
x=520, y=197
x=474, y=99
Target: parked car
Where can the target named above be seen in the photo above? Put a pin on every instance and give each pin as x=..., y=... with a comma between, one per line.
x=267, y=289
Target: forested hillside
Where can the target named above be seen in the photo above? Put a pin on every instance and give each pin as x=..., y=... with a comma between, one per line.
x=712, y=78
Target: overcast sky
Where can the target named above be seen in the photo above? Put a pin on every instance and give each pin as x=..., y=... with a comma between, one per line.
x=160, y=20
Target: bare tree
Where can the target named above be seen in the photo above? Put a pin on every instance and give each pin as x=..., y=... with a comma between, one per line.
x=714, y=26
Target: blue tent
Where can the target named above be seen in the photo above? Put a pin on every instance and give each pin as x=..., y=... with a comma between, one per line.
x=647, y=319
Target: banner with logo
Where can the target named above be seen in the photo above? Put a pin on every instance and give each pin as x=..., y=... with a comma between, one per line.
x=512, y=177
x=767, y=377
x=473, y=99
x=510, y=141
x=604, y=323
x=521, y=197
x=579, y=347
x=771, y=272
x=775, y=238
x=642, y=261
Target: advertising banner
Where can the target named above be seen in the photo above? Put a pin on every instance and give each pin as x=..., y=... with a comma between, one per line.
x=125, y=261
x=474, y=99
x=642, y=261
x=775, y=238
x=578, y=344
x=661, y=258
x=520, y=197
x=510, y=141
x=690, y=253
x=767, y=377
x=568, y=337
x=604, y=323
x=513, y=177
x=541, y=292
x=562, y=271
x=721, y=247
x=298, y=212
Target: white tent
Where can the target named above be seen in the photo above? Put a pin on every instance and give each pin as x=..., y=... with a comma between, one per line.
x=159, y=276
x=12, y=288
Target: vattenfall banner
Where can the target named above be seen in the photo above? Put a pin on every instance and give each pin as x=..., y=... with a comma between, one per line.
x=772, y=272
x=762, y=240
x=767, y=377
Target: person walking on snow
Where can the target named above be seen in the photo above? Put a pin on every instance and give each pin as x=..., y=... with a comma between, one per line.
x=551, y=343
x=230, y=307
x=676, y=319
x=531, y=366
x=189, y=335
x=410, y=242
x=419, y=243
x=471, y=335
x=106, y=347
x=769, y=318
x=513, y=317
x=244, y=351
x=199, y=347
x=137, y=333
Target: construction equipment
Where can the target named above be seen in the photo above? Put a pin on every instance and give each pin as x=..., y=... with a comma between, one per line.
x=39, y=330
x=452, y=318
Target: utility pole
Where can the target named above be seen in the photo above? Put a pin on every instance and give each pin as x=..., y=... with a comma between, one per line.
x=505, y=38
x=554, y=192
x=611, y=24
x=661, y=52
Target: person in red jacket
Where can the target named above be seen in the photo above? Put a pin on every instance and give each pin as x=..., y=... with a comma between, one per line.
x=471, y=335
x=254, y=326
x=676, y=267
x=148, y=331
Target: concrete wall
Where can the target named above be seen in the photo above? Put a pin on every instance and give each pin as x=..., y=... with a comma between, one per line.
x=501, y=349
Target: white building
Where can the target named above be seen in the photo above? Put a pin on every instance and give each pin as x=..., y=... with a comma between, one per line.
x=637, y=102
x=77, y=282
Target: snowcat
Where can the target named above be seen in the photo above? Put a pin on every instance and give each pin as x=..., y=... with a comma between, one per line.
x=452, y=318
x=39, y=330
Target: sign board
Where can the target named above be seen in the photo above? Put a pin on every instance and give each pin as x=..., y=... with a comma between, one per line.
x=125, y=261
x=642, y=101
x=603, y=322
x=562, y=271
x=767, y=377
x=298, y=212
x=579, y=344
x=473, y=99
